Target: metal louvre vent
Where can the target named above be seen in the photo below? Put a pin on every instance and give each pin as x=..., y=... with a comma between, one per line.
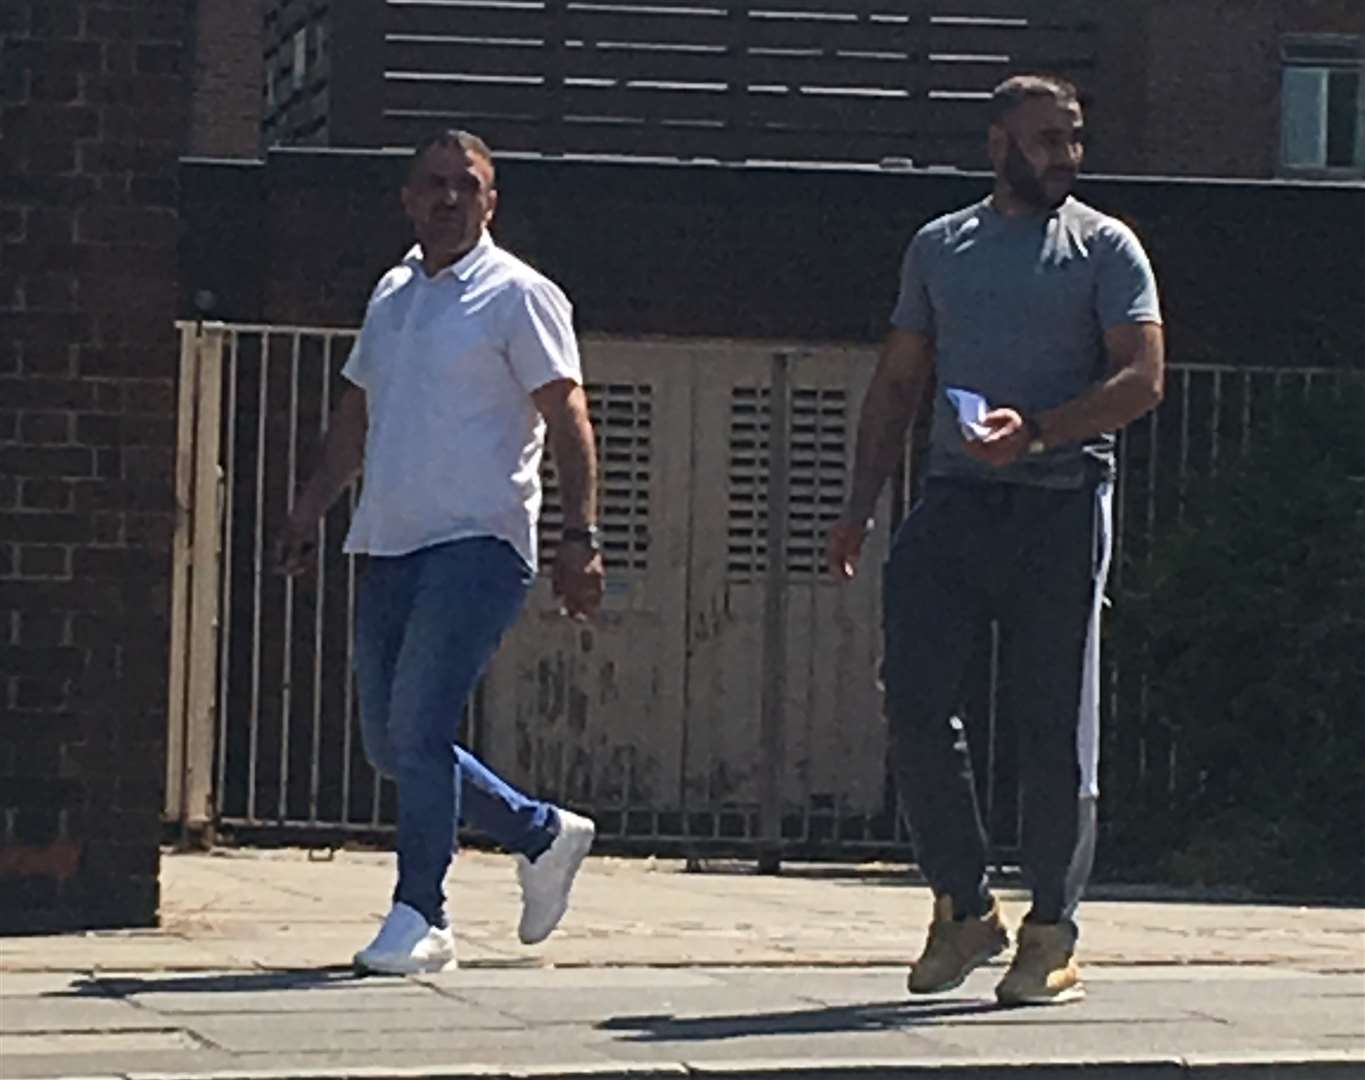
x=819, y=438
x=622, y=419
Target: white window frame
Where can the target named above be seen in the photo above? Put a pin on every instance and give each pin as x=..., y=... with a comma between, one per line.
x=1318, y=56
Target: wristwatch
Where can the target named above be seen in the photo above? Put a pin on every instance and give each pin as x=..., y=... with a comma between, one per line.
x=1035, y=436
x=589, y=535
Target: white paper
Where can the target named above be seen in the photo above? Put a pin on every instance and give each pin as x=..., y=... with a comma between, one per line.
x=971, y=409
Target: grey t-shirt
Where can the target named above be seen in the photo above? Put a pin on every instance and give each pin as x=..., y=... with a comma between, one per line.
x=1017, y=309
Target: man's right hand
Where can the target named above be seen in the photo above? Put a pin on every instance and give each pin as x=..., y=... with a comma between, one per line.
x=296, y=547
x=846, y=539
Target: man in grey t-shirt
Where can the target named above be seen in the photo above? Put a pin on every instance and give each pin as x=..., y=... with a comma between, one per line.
x=1037, y=317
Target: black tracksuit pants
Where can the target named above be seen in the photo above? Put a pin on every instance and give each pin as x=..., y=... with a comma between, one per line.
x=1034, y=559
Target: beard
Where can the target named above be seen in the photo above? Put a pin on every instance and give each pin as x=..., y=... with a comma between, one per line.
x=1027, y=185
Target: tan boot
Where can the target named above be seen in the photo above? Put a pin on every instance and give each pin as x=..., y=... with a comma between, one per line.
x=956, y=948
x=1043, y=971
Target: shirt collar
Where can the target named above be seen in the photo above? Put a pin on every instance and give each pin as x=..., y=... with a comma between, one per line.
x=463, y=268
x=986, y=208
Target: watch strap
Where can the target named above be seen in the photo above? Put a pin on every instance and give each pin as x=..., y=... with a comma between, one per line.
x=588, y=534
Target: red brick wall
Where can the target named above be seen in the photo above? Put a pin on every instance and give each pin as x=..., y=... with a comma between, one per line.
x=1213, y=81
x=229, y=79
x=93, y=112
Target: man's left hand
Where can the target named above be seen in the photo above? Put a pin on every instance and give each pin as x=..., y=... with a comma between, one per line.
x=578, y=579
x=1005, y=443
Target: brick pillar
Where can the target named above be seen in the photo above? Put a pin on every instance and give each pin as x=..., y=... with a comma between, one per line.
x=93, y=113
x=229, y=79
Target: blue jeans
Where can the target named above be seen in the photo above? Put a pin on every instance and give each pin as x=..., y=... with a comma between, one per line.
x=426, y=626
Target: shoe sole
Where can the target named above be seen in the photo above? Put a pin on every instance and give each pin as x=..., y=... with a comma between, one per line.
x=1068, y=996
x=979, y=960
x=363, y=967
x=589, y=837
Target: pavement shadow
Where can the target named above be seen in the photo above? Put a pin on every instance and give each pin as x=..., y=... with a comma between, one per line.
x=219, y=983
x=869, y=1016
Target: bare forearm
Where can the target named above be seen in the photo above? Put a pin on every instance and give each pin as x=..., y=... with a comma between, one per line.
x=341, y=459
x=575, y=457
x=887, y=413
x=1108, y=406
x=1134, y=386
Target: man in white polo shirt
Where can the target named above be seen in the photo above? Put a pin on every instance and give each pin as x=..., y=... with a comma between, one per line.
x=465, y=359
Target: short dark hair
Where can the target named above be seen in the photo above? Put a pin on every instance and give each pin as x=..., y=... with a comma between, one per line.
x=465, y=140
x=1013, y=92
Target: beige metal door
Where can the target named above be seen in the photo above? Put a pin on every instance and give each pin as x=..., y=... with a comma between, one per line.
x=594, y=714
x=784, y=714
x=715, y=685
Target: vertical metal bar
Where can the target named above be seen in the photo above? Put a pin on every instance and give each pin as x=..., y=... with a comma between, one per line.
x=287, y=662
x=1183, y=479
x=349, y=713
x=180, y=571
x=1276, y=396
x=258, y=545
x=1120, y=489
x=991, y=729
x=1215, y=427
x=687, y=376
x=225, y=631
x=1246, y=411
x=771, y=740
x=324, y=407
x=1144, y=690
x=202, y=682
x=1116, y=718
x=378, y=779
x=1153, y=451
x=1143, y=694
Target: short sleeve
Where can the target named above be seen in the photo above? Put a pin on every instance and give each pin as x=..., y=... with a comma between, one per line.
x=914, y=310
x=357, y=367
x=541, y=346
x=1126, y=290
x=360, y=362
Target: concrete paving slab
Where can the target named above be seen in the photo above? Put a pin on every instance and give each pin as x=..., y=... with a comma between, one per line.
x=300, y=1001
x=180, y=1063
x=297, y=1031
x=571, y=980
x=537, y=1007
x=19, y=1015
x=434, y=1034
x=20, y=984
x=19, y=1044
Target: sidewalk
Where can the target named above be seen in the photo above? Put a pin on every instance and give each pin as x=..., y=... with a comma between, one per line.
x=660, y=972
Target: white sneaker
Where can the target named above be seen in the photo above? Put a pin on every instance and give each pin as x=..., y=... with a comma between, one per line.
x=545, y=883
x=407, y=945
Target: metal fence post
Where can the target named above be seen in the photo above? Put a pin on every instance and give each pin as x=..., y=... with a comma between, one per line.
x=771, y=738
x=180, y=571
x=201, y=654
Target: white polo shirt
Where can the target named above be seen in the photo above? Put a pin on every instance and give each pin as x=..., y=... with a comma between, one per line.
x=448, y=364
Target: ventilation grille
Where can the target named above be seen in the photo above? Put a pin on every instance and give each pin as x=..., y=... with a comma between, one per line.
x=818, y=458
x=622, y=419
